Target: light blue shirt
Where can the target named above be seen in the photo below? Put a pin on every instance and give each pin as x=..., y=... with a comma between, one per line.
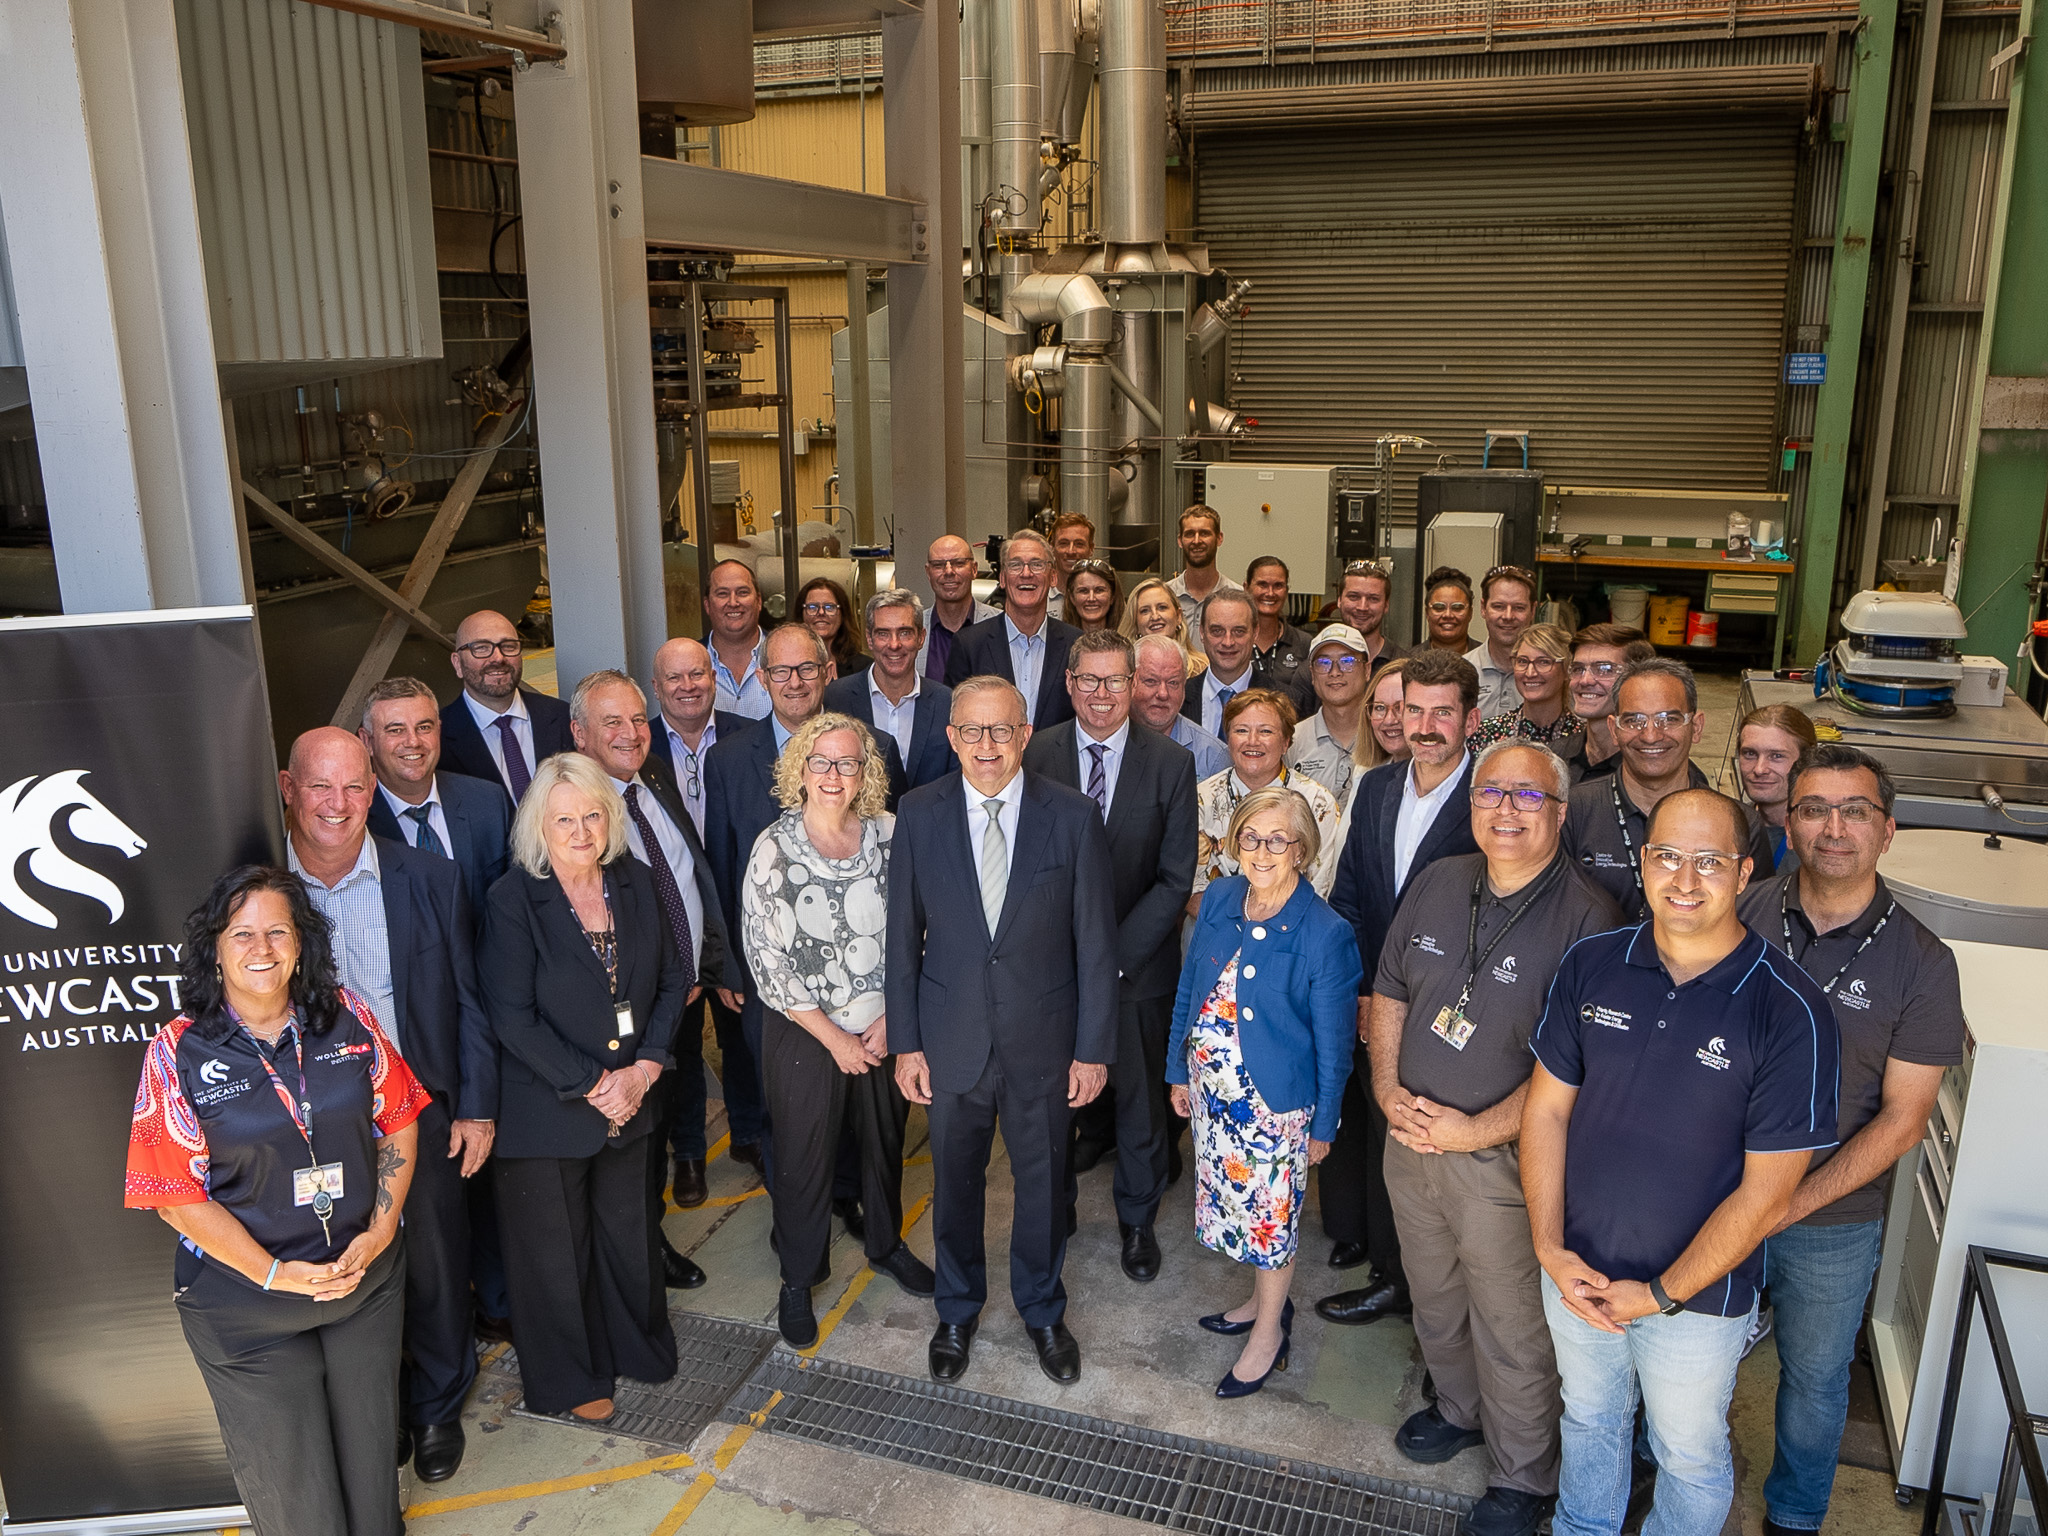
x=437, y=818
x=746, y=695
x=690, y=767
x=1416, y=815
x=362, y=939
x=1112, y=760
x=1027, y=664
x=487, y=722
x=1215, y=695
x=897, y=719
x=1211, y=756
x=675, y=850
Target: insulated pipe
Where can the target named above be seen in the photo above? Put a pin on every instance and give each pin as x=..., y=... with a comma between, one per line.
x=974, y=115
x=1014, y=111
x=1056, y=20
x=1129, y=391
x=1071, y=301
x=1133, y=134
x=1087, y=443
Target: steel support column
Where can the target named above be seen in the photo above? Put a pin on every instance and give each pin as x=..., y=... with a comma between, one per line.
x=2005, y=465
x=1869, y=92
x=103, y=239
x=921, y=129
x=586, y=275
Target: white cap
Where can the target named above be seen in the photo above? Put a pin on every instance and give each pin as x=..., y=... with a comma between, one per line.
x=1339, y=634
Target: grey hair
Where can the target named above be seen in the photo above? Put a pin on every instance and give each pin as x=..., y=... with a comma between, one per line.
x=529, y=822
x=967, y=688
x=1160, y=642
x=603, y=677
x=1560, y=775
x=1027, y=533
x=1301, y=821
x=820, y=652
x=1658, y=666
x=1226, y=595
x=398, y=688
x=895, y=597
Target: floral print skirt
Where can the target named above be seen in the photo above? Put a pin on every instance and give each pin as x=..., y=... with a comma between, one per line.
x=1251, y=1164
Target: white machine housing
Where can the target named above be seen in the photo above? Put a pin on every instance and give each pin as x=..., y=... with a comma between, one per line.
x=1901, y=637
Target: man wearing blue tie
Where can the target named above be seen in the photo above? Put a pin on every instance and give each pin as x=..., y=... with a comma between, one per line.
x=449, y=814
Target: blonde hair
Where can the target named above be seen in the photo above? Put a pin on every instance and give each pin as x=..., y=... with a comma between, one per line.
x=1366, y=751
x=1550, y=640
x=529, y=836
x=1128, y=628
x=1301, y=821
x=869, y=801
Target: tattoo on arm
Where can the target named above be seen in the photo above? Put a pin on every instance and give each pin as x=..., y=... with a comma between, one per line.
x=388, y=1163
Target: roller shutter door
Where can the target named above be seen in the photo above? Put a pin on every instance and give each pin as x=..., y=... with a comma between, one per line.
x=1616, y=286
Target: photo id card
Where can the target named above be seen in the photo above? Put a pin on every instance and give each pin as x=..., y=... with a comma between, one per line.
x=1453, y=1026
x=307, y=1183
x=624, y=1014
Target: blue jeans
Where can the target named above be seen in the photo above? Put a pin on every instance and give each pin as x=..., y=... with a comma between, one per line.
x=1685, y=1367
x=1819, y=1279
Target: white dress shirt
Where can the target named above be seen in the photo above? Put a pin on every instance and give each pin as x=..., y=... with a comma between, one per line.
x=675, y=850
x=690, y=766
x=437, y=818
x=1216, y=694
x=487, y=722
x=1418, y=813
x=1112, y=760
x=897, y=719
x=1027, y=663
x=1012, y=796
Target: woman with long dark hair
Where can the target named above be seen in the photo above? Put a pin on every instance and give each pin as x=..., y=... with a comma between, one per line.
x=823, y=608
x=274, y=1132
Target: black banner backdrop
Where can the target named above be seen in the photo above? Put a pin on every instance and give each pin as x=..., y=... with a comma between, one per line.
x=136, y=761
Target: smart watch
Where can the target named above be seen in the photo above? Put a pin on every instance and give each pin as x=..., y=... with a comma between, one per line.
x=1662, y=1297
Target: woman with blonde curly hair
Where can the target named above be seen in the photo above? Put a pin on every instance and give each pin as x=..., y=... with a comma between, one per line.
x=814, y=913
x=1153, y=610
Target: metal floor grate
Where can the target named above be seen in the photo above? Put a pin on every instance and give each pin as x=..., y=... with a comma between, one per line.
x=1166, y=1480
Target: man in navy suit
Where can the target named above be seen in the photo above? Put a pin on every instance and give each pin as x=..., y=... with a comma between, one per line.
x=1024, y=645
x=496, y=729
x=404, y=941
x=890, y=698
x=450, y=814
x=1002, y=999
x=1404, y=817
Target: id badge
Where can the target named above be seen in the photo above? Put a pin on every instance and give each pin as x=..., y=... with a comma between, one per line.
x=624, y=1014
x=309, y=1183
x=1453, y=1027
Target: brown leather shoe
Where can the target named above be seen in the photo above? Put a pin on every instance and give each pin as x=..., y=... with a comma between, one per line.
x=690, y=1188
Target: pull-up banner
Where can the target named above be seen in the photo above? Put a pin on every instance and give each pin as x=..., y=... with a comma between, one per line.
x=135, y=766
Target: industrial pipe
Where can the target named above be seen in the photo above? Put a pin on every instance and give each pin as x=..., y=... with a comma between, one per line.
x=1087, y=442
x=1133, y=107
x=1056, y=27
x=974, y=116
x=1071, y=301
x=1014, y=122
x=1211, y=325
x=1129, y=391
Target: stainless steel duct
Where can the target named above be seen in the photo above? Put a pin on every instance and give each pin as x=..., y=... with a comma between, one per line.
x=1014, y=121
x=1133, y=131
x=1211, y=325
x=1070, y=300
x=1085, y=388
x=974, y=114
x=1056, y=29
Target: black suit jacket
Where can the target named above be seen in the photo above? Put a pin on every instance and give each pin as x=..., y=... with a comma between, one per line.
x=443, y=1032
x=1042, y=993
x=1364, y=893
x=1151, y=831
x=714, y=943
x=983, y=650
x=552, y=1006
x=931, y=755
x=479, y=820
x=462, y=744
x=724, y=721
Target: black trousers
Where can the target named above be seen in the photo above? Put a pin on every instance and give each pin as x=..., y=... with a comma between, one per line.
x=440, y=1322
x=814, y=1105
x=682, y=1127
x=307, y=1397
x=1132, y=1112
x=588, y=1304
x=1352, y=1182
x=963, y=1127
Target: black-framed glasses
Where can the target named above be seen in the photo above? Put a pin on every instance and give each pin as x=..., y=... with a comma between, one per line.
x=1089, y=682
x=999, y=734
x=1664, y=719
x=1345, y=663
x=1492, y=796
x=1856, y=811
x=1249, y=841
x=807, y=671
x=1707, y=863
x=484, y=650
x=819, y=610
x=840, y=767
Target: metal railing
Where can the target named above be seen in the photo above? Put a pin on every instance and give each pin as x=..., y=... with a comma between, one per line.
x=2023, y=1427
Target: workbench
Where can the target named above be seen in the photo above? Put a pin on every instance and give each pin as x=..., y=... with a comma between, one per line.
x=1757, y=586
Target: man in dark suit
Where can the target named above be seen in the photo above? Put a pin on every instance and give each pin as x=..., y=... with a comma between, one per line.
x=1023, y=645
x=450, y=814
x=1002, y=1003
x=1144, y=786
x=890, y=698
x=608, y=714
x=495, y=729
x=1404, y=817
x=1229, y=622
x=404, y=941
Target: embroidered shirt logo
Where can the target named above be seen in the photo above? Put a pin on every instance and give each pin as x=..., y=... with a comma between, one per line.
x=1715, y=1054
x=214, y=1073
x=1426, y=943
x=1504, y=973
x=1854, y=995
x=1599, y=1013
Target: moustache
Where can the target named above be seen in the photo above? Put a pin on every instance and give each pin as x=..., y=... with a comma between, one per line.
x=1429, y=739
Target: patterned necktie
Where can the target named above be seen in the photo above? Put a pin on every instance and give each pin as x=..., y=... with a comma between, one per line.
x=1098, y=781
x=427, y=840
x=516, y=772
x=665, y=886
x=995, y=866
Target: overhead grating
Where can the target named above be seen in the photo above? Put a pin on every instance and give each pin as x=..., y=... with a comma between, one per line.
x=714, y=1357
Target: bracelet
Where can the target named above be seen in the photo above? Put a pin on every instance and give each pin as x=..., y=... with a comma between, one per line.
x=273, y=1273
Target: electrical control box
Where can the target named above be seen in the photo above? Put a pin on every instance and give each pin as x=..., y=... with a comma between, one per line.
x=1299, y=512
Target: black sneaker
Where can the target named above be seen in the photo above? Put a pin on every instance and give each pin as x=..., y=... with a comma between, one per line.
x=794, y=1317
x=907, y=1270
x=1429, y=1437
x=1507, y=1512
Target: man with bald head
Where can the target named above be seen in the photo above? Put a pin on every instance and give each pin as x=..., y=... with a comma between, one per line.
x=403, y=942
x=688, y=721
x=949, y=567
x=496, y=729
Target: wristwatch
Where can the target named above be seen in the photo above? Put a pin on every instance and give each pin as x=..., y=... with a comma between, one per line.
x=1662, y=1297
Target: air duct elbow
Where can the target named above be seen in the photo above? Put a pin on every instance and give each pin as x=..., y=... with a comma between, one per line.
x=1070, y=300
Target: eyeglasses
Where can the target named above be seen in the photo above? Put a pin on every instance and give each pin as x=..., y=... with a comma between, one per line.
x=1450, y=607
x=999, y=734
x=1491, y=796
x=484, y=650
x=1345, y=663
x=1381, y=711
x=1707, y=864
x=1249, y=841
x=820, y=609
x=1600, y=669
x=1857, y=812
x=1535, y=663
x=1027, y=567
x=1509, y=573
x=1089, y=682
x=807, y=671
x=1665, y=720
x=1094, y=567
x=841, y=767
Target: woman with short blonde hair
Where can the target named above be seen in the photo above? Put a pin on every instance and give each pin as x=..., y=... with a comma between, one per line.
x=529, y=840
x=871, y=797
x=1152, y=609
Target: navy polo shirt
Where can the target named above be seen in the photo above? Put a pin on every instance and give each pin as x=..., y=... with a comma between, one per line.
x=1676, y=1085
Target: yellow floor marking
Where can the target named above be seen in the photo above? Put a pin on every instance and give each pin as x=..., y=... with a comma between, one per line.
x=754, y=1193
x=570, y=1484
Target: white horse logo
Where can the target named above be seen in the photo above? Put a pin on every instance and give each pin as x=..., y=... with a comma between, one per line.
x=31, y=810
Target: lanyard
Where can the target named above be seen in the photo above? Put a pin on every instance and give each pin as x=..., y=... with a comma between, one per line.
x=1870, y=938
x=301, y=1108
x=1543, y=883
x=1628, y=843
x=1231, y=796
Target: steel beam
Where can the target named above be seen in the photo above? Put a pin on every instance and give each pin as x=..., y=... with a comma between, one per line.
x=705, y=208
x=523, y=44
x=110, y=280
x=400, y=607
x=1848, y=293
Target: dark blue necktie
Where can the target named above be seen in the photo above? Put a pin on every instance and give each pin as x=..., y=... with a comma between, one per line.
x=665, y=887
x=427, y=840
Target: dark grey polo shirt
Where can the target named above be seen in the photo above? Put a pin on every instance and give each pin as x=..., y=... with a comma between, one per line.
x=1900, y=997
x=1423, y=965
x=1593, y=835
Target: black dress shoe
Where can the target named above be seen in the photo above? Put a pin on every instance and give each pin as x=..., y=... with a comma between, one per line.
x=794, y=1317
x=1429, y=1437
x=1384, y=1298
x=849, y=1211
x=680, y=1273
x=1347, y=1255
x=949, y=1349
x=1141, y=1252
x=690, y=1190
x=437, y=1451
x=404, y=1445
x=1089, y=1153
x=748, y=1152
x=1511, y=1512
x=907, y=1270
x=493, y=1330
x=1059, y=1356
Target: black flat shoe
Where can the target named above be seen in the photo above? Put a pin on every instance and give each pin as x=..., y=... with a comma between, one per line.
x=679, y=1273
x=1219, y=1322
x=1231, y=1386
x=1429, y=1437
x=849, y=1211
x=437, y=1451
x=794, y=1317
x=1059, y=1354
x=690, y=1190
x=1511, y=1512
x=1141, y=1253
x=907, y=1270
x=1347, y=1255
x=404, y=1445
x=950, y=1346
x=1386, y=1298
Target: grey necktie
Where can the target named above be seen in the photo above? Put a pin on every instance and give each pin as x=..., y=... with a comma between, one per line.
x=995, y=866
x=1098, y=781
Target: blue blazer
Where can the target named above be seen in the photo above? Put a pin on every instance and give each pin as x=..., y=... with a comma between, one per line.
x=931, y=756
x=442, y=1030
x=1297, y=1017
x=462, y=744
x=983, y=650
x=479, y=821
x=1364, y=893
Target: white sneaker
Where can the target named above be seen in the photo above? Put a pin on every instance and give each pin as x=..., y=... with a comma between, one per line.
x=1759, y=1329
